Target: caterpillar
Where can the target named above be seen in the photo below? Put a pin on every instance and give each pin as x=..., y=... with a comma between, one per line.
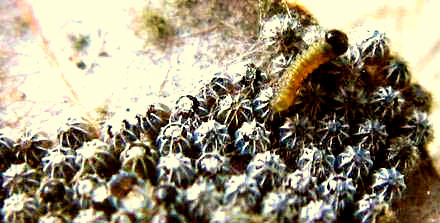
x=334, y=44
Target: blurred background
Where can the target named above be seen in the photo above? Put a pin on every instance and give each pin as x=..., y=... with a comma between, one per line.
x=101, y=57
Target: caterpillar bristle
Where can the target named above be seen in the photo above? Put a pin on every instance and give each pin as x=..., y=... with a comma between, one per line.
x=334, y=44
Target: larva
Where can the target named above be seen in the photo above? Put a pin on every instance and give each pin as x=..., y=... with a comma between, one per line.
x=334, y=44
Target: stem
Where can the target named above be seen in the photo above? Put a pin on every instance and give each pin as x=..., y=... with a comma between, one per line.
x=27, y=15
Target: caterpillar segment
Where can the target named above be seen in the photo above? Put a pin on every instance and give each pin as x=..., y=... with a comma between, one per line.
x=334, y=44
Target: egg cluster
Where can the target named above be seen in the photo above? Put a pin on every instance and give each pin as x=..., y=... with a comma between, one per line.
x=341, y=151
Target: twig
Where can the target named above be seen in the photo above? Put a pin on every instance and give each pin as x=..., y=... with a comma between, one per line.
x=28, y=15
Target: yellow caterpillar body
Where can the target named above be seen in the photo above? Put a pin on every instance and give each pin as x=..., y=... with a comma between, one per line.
x=323, y=51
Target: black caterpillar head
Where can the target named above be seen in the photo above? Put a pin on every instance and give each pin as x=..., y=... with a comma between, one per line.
x=338, y=40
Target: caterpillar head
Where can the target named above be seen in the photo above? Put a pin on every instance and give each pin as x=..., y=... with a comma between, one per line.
x=338, y=40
